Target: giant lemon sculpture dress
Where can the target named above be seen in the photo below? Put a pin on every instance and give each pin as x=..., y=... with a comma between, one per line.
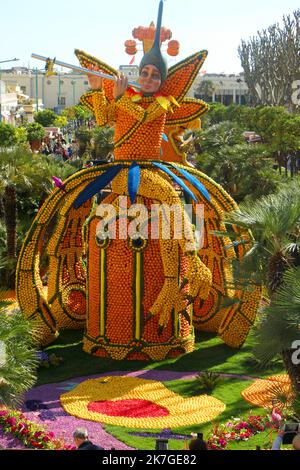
x=136, y=297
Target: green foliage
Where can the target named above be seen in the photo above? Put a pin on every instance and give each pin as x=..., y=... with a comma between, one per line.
x=244, y=170
x=278, y=128
x=279, y=324
x=18, y=357
x=274, y=222
x=30, y=176
x=207, y=381
x=8, y=136
x=21, y=134
x=46, y=118
x=217, y=136
x=83, y=136
x=205, y=88
x=216, y=114
x=60, y=121
x=103, y=138
x=77, y=112
x=35, y=131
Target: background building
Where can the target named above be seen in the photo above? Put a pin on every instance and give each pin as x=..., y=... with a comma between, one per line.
x=65, y=88
x=226, y=89
x=55, y=92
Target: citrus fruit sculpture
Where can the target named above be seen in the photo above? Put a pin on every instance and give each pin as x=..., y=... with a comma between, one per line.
x=136, y=296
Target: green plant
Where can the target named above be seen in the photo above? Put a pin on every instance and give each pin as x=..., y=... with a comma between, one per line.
x=35, y=131
x=46, y=117
x=18, y=356
x=208, y=380
x=83, y=136
x=103, y=142
x=8, y=136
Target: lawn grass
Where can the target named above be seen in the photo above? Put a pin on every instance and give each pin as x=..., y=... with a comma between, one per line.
x=210, y=354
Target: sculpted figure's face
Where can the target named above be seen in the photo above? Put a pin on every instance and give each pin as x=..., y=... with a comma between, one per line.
x=150, y=79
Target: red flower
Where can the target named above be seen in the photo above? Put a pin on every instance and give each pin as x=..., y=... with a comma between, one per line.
x=25, y=431
x=12, y=421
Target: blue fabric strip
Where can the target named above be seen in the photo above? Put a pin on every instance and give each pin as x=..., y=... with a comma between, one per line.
x=99, y=183
x=193, y=180
x=175, y=178
x=134, y=176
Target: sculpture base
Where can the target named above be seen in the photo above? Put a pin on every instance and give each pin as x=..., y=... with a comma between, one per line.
x=139, y=351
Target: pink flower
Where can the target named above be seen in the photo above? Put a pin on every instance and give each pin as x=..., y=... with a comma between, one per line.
x=46, y=438
x=3, y=412
x=276, y=415
x=12, y=421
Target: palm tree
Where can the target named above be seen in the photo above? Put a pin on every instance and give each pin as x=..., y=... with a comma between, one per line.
x=275, y=224
x=22, y=172
x=18, y=358
x=14, y=167
x=103, y=142
x=206, y=89
x=279, y=327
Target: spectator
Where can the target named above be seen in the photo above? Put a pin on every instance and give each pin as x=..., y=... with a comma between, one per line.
x=82, y=441
x=278, y=441
x=198, y=443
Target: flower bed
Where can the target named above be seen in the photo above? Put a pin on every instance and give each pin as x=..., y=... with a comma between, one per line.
x=31, y=434
x=240, y=430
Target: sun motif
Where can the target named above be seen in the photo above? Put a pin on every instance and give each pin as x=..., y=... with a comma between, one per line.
x=137, y=403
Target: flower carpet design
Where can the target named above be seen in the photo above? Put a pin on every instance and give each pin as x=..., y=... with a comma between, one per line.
x=275, y=390
x=134, y=402
x=42, y=406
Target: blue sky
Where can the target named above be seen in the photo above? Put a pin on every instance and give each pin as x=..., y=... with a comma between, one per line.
x=56, y=27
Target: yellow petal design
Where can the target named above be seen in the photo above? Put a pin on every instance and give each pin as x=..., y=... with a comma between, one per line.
x=182, y=412
x=163, y=101
x=172, y=99
x=272, y=391
x=136, y=98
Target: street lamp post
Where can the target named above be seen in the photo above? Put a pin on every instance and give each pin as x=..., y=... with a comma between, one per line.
x=4, y=62
x=36, y=90
x=73, y=83
x=59, y=92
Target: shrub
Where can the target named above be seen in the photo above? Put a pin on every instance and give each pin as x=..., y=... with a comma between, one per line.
x=8, y=136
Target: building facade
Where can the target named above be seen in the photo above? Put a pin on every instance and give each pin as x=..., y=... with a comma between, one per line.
x=226, y=89
x=64, y=89
x=56, y=92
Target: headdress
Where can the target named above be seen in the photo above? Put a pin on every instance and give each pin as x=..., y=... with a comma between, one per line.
x=154, y=56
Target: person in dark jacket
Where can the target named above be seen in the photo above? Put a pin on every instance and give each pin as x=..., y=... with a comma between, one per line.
x=82, y=442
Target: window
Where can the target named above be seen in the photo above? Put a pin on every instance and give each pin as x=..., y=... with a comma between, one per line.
x=86, y=82
x=48, y=82
x=62, y=101
x=23, y=89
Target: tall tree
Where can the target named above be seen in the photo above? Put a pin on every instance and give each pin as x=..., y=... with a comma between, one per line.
x=271, y=62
